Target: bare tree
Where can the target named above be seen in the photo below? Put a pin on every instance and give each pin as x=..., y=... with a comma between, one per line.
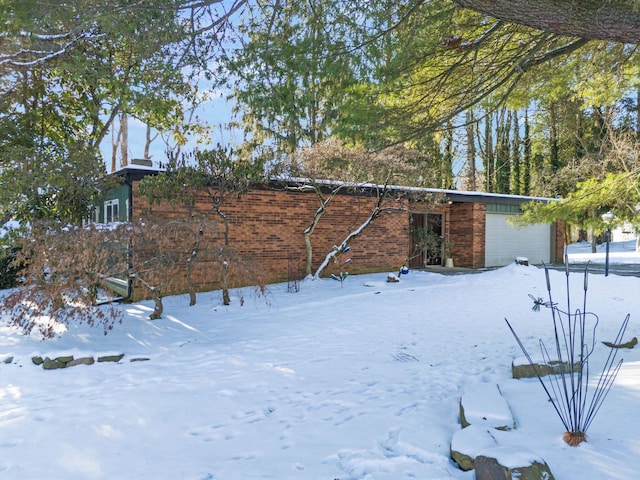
x=203, y=184
x=157, y=255
x=355, y=170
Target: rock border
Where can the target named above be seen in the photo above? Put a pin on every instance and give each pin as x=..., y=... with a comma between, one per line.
x=66, y=361
x=521, y=368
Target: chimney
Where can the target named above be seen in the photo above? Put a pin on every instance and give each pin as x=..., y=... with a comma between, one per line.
x=142, y=162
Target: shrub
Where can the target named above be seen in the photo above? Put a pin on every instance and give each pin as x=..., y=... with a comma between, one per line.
x=64, y=268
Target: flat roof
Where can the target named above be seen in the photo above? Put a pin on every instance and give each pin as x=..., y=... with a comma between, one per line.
x=453, y=195
x=135, y=172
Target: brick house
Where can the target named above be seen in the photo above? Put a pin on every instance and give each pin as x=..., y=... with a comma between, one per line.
x=267, y=225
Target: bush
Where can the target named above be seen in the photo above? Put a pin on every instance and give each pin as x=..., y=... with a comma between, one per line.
x=62, y=271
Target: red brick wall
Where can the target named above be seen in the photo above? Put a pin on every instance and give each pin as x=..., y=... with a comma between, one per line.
x=467, y=231
x=560, y=242
x=267, y=225
x=266, y=230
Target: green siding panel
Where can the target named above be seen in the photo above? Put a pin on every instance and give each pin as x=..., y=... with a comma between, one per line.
x=121, y=193
x=503, y=208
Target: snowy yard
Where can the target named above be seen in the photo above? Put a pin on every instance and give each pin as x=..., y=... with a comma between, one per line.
x=359, y=382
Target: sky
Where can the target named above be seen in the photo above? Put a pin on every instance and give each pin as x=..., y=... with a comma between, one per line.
x=216, y=112
x=354, y=380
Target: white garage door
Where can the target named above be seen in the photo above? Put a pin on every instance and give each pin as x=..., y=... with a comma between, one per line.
x=504, y=242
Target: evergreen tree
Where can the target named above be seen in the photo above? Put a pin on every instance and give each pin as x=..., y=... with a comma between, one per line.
x=291, y=74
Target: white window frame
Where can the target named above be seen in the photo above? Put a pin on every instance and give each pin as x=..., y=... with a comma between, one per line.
x=111, y=210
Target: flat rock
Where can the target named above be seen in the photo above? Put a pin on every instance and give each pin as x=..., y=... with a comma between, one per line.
x=81, y=361
x=49, y=364
x=64, y=359
x=511, y=463
x=468, y=443
x=111, y=358
x=521, y=368
x=482, y=404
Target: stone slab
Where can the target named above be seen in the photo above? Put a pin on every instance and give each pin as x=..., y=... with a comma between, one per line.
x=482, y=404
x=468, y=443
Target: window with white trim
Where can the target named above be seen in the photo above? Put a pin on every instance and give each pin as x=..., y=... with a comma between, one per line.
x=111, y=211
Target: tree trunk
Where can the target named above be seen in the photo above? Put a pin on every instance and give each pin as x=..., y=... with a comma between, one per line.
x=224, y=264
x=354, y=234
x=156, y=296
x=516, y=163
x=190, y=261
x=309, y=249
x=526, y=158
x=190, y=283
x=488, y=154
x=638, y=114
x=447, y=164
x=613, y=20
x=147, y=142
x=350, y=237
x=471, y=152
x=314, y=223
x=115, y=142
x=226, y=298
x=554, y=160
x=594, y=238
x=503, y=167
x=124, y=141
x=158, y=308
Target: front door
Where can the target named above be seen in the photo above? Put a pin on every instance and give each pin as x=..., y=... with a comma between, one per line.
x=426, y=239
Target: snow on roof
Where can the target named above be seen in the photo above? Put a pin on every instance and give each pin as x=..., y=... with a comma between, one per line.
x=443, y=191
x=130, y=167
x=138, y=168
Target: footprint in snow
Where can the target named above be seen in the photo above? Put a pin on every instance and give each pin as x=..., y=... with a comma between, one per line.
x=405, y=357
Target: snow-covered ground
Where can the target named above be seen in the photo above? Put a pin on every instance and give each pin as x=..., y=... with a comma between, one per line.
x=619, y=253
x=360, y=381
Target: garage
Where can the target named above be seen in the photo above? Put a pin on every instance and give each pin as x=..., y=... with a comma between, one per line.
x=505, y=242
